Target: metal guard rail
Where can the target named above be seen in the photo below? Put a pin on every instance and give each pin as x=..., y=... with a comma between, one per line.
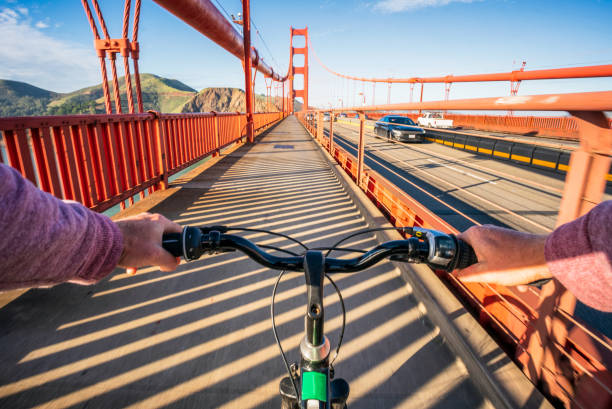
x=103, y=160
x=563, y=127
x=514, y=317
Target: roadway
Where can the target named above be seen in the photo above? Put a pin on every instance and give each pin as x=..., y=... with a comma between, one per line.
x=462, y=187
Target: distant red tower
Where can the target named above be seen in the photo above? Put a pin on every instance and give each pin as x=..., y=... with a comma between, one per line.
x=293, y=70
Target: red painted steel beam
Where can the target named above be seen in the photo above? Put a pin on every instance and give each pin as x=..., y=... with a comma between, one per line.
x=248, y=85
x=584, y=101
x=593, y=71
x=206, y=18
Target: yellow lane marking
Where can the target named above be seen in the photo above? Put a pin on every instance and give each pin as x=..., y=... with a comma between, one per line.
x=501, y=154
x=521, y=158
x=546, y=163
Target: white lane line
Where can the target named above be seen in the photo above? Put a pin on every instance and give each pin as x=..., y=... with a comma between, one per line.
x=463, y=172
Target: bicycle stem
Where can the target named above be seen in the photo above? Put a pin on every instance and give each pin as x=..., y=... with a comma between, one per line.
x=314, y=266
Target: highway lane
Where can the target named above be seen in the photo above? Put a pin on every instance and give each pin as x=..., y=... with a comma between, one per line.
x=464, y=188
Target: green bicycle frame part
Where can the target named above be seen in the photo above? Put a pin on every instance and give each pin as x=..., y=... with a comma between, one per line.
x=314, y=386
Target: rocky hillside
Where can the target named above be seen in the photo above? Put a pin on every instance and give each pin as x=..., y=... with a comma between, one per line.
x=223, y=100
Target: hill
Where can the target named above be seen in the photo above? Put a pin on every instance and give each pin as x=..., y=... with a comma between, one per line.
x=222, y=100
x=22, y=99
x=158, y=93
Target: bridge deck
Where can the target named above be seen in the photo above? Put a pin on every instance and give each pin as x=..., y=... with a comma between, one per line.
x=201, y=336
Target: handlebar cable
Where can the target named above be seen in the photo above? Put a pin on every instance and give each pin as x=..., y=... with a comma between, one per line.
x=343, y=321
x=295, y=388
x=407, y=230
x=270, y=232
x=347, y=249
x=291, y=253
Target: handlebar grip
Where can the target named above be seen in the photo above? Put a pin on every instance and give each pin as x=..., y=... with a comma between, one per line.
x=172, y=243
x=465, y=255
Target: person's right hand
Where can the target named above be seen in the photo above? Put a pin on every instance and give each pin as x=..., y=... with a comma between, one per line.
x=505, y=256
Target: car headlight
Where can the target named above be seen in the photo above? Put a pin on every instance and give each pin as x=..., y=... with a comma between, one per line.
x=395, y=132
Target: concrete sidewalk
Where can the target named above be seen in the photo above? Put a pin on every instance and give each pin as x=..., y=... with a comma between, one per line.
x=201, y=336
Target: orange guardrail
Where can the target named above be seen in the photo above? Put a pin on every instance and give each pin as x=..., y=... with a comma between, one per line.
x=103, y=160
x=568, y=360
x=559, y=127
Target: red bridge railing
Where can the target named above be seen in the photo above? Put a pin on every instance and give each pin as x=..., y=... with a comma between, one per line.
x=561, y=127
x=104, y=160
x=569, y=360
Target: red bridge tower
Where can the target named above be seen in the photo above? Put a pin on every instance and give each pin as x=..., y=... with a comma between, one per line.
x=303, y=70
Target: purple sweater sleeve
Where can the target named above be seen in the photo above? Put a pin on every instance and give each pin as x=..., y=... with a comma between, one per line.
x=46, y=241
x=579, y=255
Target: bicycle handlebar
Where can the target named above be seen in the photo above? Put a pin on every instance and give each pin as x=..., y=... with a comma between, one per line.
x=439, y=250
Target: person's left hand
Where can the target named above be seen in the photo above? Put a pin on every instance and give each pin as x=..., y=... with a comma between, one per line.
x=142, y=242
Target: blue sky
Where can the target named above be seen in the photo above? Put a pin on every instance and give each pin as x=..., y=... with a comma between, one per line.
x=49, y=43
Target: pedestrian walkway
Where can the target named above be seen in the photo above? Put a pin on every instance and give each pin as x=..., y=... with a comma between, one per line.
x=201, y=336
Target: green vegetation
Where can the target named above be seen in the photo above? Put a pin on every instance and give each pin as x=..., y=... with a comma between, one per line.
x=159, y=94
x=21, y=99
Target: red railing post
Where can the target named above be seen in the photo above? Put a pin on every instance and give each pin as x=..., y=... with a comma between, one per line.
x=361, y=151
x=421, y=100
x=331, y=133
x=239, y=129
x=216, y=139
x=161, y=148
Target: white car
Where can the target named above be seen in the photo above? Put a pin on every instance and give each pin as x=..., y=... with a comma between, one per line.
x=434, y=120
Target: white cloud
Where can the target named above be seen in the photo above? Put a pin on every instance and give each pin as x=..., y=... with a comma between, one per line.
x=29, y=55
x=41, y=24
x=392, y=6
x=23, y=10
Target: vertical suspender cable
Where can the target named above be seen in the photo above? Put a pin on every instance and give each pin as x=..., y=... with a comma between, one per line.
x=125, y=52
x=101, y=56
x=136, y=54
x=111, y=57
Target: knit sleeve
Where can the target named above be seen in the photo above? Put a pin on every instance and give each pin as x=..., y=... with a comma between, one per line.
x=46, y=241
x=579, y=255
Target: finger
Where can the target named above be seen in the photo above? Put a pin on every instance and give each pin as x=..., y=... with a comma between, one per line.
x=522, y=288
x=169, y=226
x=165, y=260
x=470, y=270
x=474, y=276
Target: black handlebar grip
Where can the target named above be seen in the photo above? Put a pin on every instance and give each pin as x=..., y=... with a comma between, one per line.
x=172, y=243
x=465, y=255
